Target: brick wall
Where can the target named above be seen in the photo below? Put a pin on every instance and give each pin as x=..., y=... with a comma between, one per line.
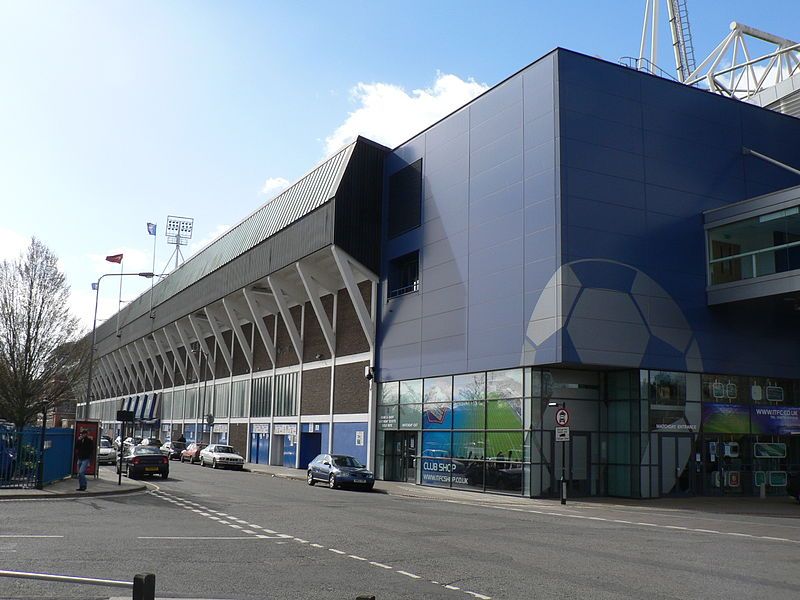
x=316, y=392
x=350, y=389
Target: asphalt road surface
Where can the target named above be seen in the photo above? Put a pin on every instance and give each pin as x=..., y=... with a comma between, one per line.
x=238, y=535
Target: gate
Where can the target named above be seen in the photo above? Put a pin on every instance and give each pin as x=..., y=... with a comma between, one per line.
x=19, y=459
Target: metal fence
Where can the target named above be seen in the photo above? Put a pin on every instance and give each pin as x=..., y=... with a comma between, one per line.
x=143, y=586
x=19, y=460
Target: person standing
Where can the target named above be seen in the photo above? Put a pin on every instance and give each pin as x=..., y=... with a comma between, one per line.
x=84, y=450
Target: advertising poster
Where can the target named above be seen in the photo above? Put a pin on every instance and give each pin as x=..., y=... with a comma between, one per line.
x=726, y=418
x=94, y=433
x=776, y=420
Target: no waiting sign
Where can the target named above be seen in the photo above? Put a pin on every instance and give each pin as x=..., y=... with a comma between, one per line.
x=562, y=417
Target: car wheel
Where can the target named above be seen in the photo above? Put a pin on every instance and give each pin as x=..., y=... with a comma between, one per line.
x=310, y=478
x=332, y=481
x=369, y=486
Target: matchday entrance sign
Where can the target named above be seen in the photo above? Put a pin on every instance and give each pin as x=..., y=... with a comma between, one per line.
x=562, y=417
x=562, y=434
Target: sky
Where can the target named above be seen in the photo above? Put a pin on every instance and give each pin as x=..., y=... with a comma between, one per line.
x=115, y=114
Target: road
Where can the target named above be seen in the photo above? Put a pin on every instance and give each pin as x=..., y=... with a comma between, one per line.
x=233, y=535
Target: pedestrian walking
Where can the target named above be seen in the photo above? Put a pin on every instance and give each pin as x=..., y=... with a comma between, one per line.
x=84, y=450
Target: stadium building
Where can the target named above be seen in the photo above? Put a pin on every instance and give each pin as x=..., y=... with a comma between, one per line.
x=588, y=271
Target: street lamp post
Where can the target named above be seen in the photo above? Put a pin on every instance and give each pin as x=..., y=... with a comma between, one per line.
x=563, y=480
x=146, y=275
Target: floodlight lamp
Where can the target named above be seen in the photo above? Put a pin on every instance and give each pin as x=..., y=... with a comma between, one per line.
x=179, y=229
x=552, y=404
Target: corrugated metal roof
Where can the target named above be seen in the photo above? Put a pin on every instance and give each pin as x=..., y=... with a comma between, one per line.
x=307, y=194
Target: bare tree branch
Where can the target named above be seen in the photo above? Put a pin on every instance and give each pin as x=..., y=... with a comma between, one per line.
x=42, y=358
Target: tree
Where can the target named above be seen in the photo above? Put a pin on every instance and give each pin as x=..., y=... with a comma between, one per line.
x=42, y=357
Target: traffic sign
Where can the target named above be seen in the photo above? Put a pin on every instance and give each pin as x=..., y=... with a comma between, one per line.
x=562, y=417
x=562, y=434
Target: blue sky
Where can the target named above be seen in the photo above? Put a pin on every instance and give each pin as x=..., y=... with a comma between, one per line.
x=113, y=114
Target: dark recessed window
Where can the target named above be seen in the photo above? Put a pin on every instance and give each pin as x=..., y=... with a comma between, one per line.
x=404, y=274
x=405, y=199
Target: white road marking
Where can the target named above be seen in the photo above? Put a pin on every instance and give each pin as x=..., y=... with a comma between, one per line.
x=195, y=537
x=250, y=531
x=215, y=518
x=265, y=529
x=297, y=539
x=407, y=574
x=317, y=546
x=381, y=565
x=351, y=555
x=224, y=522
x=234, y=526
x=477, y=595
x=452, y=587
x=334, y=550
x=19, y=536
x=256, y=526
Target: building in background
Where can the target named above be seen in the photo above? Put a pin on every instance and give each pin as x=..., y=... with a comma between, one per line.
x=583, y=237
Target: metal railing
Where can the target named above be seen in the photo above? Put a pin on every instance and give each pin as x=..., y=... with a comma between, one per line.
x=143, y=585
x=748, y=259
x=19, y=461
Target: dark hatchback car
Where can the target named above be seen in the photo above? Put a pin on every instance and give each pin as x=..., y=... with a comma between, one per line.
x=340, y=470
x=145, y=460
x=173, y=450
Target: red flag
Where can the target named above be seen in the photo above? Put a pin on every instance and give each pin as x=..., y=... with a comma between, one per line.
x=115, y=258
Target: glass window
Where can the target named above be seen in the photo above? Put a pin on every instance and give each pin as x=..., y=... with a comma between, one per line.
x=468, y=445
x=387, y=417
x=410, y=416
x=667, y=388
x=504, y=384
x=438, y=390
x=221, y=399
x=726, y=389
x=239, y=393
x=405, y=199
x=437, y=416
x=390, y=393
x=755, y=247
x=469, y=387
x=403, y=275
x=260, y=405
x=469, y=415
x=500, y=443
x=411, y=391
x=504, y=414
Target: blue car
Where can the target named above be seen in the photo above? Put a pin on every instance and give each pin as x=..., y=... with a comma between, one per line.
x=340, y=470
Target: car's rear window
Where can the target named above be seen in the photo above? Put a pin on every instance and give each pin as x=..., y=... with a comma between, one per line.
x=147, y=450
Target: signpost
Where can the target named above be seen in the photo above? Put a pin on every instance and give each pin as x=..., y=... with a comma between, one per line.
x=562, y=437
x=123, y=416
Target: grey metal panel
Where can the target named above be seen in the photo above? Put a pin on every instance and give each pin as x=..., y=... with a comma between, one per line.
x=313, y=232
x=749, y=289
x=752, y=207
x=312, y=191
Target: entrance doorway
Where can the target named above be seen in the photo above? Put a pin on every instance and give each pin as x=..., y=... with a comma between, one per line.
x=401, y=450
x=676, y=477
x=578, y=463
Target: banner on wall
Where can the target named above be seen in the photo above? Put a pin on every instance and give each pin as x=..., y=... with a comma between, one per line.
x=773, y=420
x=726, y=418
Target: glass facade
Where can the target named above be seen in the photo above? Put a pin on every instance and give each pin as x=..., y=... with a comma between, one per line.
x=632, y=433
x=755, y=247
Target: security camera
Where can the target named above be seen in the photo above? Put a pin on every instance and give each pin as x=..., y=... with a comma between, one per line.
x=368, y=374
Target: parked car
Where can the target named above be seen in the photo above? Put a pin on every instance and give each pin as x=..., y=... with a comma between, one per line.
x=339, y=470
x=106, y=454
x=129, y=443
x=173, y=450
x=192, y=452
x=151, y=442
x=146, y=460
x=221, y=455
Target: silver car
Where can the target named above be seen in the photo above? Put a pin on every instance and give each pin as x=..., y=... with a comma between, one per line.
x=339, y=470
x=106, y=454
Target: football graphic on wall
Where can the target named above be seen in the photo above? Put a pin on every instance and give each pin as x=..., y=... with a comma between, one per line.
x=609, y=313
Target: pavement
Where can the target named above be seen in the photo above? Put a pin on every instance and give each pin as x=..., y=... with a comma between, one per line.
x=106, y=483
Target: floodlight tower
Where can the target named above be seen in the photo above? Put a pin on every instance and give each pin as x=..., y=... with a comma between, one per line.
x=178, y=232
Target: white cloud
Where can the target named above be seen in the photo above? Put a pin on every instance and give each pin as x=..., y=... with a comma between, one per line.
x=274, y=185
x=389, y=115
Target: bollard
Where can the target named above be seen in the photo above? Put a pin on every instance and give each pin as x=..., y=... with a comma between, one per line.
x=144, y=587
x=563, y=490
x=762, y=490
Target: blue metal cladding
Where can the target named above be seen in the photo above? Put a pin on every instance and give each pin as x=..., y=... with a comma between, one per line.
x=488, y=242
x=641, y=159
x=562, y=223
x=344, y=440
